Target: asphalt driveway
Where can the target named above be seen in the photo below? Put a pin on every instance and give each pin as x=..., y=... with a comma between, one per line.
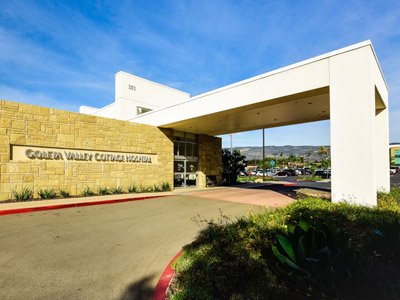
x=115, y=251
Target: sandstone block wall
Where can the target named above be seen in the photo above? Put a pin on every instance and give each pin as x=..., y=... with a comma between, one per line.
x=22, y=124
x=210, y=156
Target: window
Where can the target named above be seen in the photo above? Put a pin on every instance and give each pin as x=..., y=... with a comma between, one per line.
x=189, y=150
x=185, y=144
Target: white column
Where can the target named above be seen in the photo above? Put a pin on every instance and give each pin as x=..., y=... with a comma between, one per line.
x=352, y=113
x=382, y=158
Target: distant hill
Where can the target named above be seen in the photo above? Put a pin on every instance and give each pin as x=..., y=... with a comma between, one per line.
x=286, y=151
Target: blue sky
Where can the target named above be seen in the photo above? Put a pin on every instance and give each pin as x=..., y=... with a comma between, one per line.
x=64, y=54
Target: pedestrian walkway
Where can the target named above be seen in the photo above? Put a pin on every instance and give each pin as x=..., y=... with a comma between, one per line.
x=246, y=194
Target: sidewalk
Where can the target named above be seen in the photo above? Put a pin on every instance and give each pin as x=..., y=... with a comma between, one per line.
x=98, y=199
x=103, y=199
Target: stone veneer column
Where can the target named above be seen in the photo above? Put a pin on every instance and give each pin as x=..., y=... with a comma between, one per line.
x=210, y=158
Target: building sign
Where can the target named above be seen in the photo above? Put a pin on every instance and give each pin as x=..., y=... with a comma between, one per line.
x=397, y=157
x=27, y=153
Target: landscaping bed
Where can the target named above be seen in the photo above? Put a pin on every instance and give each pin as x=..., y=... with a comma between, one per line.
x=26, y=194
x=313, y=193
x=312, y=249
x=309, y=178
x=253, y=179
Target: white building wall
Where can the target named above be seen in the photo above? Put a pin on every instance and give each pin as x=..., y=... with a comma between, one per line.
x=359, y=137
x=87, y=109
x=132, y=92
x=131, y=87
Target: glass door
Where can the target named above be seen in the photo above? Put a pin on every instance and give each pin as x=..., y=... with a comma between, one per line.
x=190, y=174
x=185, y=159
x=184, y=173
x=179, y=173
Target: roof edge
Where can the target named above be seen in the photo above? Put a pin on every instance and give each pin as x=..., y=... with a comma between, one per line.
x=277, y=71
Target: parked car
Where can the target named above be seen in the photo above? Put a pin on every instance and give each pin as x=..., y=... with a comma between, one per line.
x=282, y=174
x=298, y=171
x=323, y=173
x=306, y=171
x=393, y=171
x=260, y=172
x=267, y=173
x=291, y=172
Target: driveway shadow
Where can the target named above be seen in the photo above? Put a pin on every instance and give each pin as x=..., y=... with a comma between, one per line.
x=139, y=290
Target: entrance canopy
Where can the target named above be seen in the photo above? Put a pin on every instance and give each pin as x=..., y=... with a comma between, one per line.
x=346, y=86
x=294, y=94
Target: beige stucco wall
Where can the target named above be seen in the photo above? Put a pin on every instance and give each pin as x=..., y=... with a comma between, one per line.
x=30, y=125
x=210, y=156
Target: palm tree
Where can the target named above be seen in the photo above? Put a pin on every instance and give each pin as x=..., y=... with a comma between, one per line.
x=322, y=152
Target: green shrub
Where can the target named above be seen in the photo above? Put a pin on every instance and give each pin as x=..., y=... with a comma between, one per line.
x=24, y=195
x=318, y=258
x=309, y=178
x=103, y=191
x=157, y=188
x=165, y=187
x=117, y=190
x=140, y=189
x=234, y=259
x=64, y=194
x=87, y=192
x=47, y=194
x=246, y=179
x=391, y=199
x=132, y=189
x=386, y=239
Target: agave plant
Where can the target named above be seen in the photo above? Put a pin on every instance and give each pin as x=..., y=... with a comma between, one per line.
x=87, y=192
x=117, y=190
x=386, y=240
x=64, y=194
x=24, y=195
x=132, y=188
x=103, y=191
x=47, y=194
x=165, y=187
x=316, y=256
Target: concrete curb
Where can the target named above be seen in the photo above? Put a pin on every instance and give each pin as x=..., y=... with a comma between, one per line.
x=69, y=205
x=160, y=292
